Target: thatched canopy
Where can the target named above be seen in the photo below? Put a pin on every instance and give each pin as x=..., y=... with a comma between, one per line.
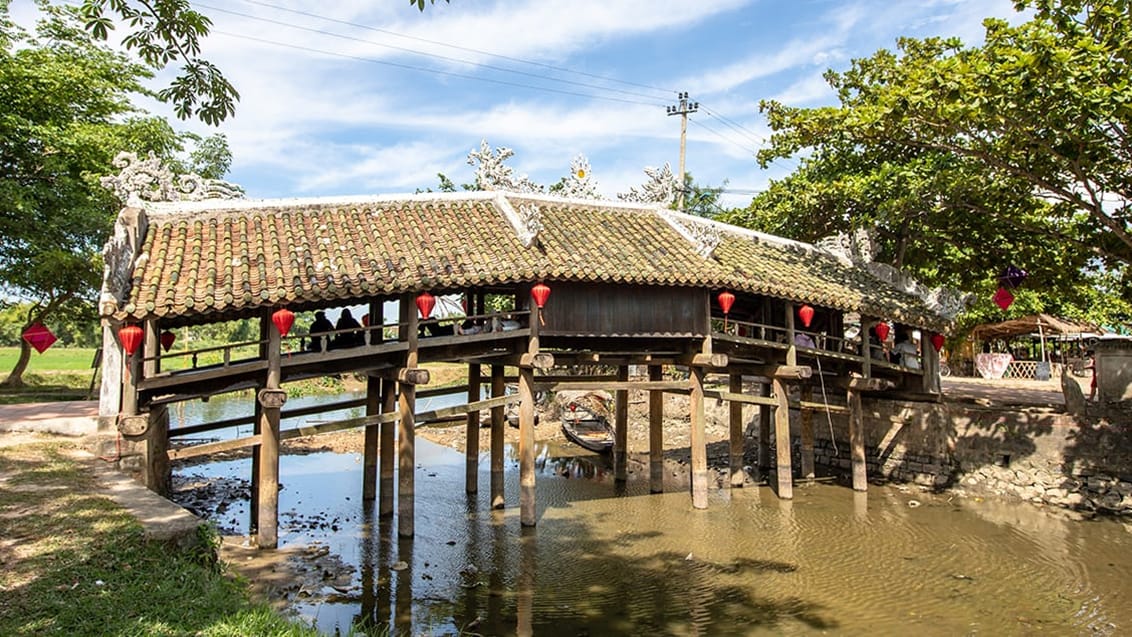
x=1034, y=324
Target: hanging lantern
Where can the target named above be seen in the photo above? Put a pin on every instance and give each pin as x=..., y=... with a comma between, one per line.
x=38, y=336
x=1003, y=298
x=540, y=292
x=937, y=341
x=425, y=303
x=726, y=300
x=130, y=336
x=167, y=340
x=882, y=331
x=283, y=319
x=806, y=313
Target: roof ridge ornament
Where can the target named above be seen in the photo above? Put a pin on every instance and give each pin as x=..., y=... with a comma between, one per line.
x=701, y=233
x=659, y=188
x=858, y=249
x=139, y=181
x=527, y=220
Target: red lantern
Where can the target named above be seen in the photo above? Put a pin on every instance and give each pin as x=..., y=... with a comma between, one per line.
x=937, y=341
x=726, y=300
x=882, y=331
x=365, y=319
x=167, y=339
x=130, y=336
x=1003, y=298
x=38, y=336
x=806, y=313
x=425, y=303
x=283, y=319
x=540, y=292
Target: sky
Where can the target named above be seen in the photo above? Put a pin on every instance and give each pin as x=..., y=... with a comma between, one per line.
x=375, y=97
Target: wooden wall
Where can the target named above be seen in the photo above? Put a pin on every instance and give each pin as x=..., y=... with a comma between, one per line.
x=577, y=309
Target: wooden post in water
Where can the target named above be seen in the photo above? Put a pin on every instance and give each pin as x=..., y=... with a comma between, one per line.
x=371, y=436
x=498, y=388
x=807, y=422
x=656, y=432
x=857, y=442
x=406, y=424
x=621, y=427
x=472, y=439
x=765, y=412
x=386, y=448
x=271, y=397
x=257, y=428
x=527, y=512
x=698, y=439
x=735, y=420
x=782, y=441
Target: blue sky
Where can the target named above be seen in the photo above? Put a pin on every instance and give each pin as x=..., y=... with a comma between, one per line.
x=363, y=97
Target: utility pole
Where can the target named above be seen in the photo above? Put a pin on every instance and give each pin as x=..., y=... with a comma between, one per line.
x=682, y=109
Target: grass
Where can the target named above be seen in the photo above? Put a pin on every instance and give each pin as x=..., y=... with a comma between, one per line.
x=74, y=563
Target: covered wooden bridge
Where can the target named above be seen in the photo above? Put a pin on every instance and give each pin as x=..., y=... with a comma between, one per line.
x=618, y=285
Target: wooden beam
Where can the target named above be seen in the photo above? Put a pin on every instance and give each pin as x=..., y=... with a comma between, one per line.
x=742, y=399
x=272, y=398
x=807, y=430
x=370, y=443
x=406, y=424
x=387, y=474
x=704, y=359
x=536, y=360
x=871, y=384
x=656, y=432
x=857, y=442
x=498, y=390
x=406, y=376
x=833, y=409
x=527, y=510
x=617, y=385
x=213, y=447
x=621, y=425
x=698, y=440
x=472, y=433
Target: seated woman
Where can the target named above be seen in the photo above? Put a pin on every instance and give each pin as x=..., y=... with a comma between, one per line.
x=320, y=326
x=343, y=339
x=905, y=351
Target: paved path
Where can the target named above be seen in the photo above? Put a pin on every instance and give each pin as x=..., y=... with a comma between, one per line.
x=68, y=418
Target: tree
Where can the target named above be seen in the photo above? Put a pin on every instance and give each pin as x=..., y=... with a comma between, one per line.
x=164, y=32
x=968, y=159
x=67, y=112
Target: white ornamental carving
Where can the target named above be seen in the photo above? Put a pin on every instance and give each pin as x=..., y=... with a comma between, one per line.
x=530, y=222
x=493, y=174
x=149, y=180
x=580, y=184
x=660, y=188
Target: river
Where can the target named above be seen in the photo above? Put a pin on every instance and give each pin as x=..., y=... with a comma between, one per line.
x=608, y=559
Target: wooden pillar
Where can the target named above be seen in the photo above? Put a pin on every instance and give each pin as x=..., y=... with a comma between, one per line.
x=498, y=388
x=857, y=442
x=265, y=324
x=272, y=399
x=130, y=387
x=807, y=426
x=527, y=512
x=656, y=432
x=792, y=350
x=698, y=440
x=472, y=438
x=406, y=424
x=370, y=444
x=765, y=412
x=735, y=420
x=149, y=432
x=149, y=348
x=866, y=347
x=929, y=362
x=621, y=427
x=782, y=441
x=386, y=448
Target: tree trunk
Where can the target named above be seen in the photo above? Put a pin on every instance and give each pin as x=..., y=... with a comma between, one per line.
x=16, y=376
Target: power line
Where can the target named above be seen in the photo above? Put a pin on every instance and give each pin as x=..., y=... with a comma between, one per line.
x=725, y=138
x=460, y=48
x=411, y=67
x=424, y=53
x=735, y=126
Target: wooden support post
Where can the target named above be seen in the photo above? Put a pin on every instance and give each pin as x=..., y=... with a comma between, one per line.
x=130, y=387
x=498, y=389
x=792, y=351
x=698, y=440
x=370, y=444
x=782, y=441
x=527, y=514
x=765, y=413
x=929, y=361
x=406, y=424
x=656, y=432
x=735, y=420
x=149, y=349
x=857, y=442
x=265, y=324
x=867, y=346
x=807, y=422
x=621, y=428
x=386, y=449
x=150, y=432
x=472, y=435
x=272, y=399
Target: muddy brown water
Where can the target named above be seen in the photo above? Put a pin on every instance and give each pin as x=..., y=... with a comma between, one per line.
x=609, y=559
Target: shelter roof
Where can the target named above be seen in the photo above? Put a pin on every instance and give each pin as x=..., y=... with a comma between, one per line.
x=1030, y=325
x=205, y=261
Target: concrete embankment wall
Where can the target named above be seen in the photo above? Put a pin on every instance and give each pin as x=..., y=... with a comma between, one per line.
x=1038, y=455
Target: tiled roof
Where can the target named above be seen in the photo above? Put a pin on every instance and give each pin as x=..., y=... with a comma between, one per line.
x=228, y=259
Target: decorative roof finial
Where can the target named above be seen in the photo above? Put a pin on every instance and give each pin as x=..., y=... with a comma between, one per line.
x=150, y=180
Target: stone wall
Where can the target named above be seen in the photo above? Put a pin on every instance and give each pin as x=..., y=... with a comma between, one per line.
x=1037, y=455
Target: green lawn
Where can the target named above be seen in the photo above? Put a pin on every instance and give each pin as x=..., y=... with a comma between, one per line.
x=56, y=359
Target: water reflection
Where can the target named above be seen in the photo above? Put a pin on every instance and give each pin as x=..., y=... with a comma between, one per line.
x=829, y=561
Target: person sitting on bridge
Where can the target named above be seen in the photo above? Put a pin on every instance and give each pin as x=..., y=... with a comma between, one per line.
x=320, y=326
x=905, y=351
x=344, y=339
